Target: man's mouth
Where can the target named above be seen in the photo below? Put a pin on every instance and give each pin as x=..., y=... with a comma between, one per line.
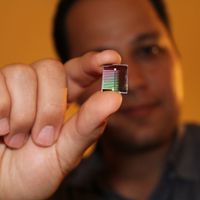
x=140, y=110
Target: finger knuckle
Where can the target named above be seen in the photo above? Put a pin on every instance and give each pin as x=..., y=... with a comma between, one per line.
x=52, y=110
x=94, y=58
x=48, y=65
x=21, y=121
x=18, y=71
x=4, y=107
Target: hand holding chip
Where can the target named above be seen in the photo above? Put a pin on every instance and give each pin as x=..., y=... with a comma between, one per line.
x=36, y=142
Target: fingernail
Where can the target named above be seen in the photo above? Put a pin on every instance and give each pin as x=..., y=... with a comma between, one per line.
x=4, y=126
x=16, y=140
x=46, y=136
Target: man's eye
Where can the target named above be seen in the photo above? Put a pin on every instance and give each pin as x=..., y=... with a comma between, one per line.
x=149, y=51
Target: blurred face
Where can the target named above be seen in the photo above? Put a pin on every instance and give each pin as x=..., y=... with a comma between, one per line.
x=149, y=113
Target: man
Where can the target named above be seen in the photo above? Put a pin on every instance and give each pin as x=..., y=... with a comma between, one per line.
x=135, y=157
x=144, y=153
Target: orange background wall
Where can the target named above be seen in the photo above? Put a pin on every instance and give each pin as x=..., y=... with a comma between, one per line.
x=25, y=36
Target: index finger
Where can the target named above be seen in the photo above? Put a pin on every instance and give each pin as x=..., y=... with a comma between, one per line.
x=84, y=70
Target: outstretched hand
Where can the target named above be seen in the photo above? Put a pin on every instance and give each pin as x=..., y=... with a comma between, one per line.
x=37, y=149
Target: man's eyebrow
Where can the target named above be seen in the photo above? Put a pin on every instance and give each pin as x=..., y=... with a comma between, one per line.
x=140, y=39
x=146, y=37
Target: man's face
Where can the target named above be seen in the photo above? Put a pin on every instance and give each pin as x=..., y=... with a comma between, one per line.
x=150, y=111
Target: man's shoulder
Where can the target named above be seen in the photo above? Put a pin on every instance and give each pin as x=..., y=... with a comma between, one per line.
x=192, y=133
x=191, y=140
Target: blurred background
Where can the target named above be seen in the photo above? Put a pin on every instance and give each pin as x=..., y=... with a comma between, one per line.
x=25, y=36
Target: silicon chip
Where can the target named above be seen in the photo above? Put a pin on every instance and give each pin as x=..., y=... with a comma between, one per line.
x=115, y=78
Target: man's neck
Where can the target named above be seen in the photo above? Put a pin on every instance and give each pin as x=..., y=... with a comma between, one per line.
x=135, y=176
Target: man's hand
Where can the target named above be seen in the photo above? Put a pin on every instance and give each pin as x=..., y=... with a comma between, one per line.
x=36, y=148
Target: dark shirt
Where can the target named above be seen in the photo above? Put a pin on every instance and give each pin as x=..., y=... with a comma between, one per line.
x=180, y=180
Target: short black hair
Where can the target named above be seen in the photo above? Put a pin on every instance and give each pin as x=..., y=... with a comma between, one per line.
x=59, y=29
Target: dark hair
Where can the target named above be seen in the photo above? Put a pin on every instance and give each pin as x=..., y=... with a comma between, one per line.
x=59, y=29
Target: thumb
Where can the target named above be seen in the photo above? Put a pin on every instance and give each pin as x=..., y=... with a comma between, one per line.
x=85, y=128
